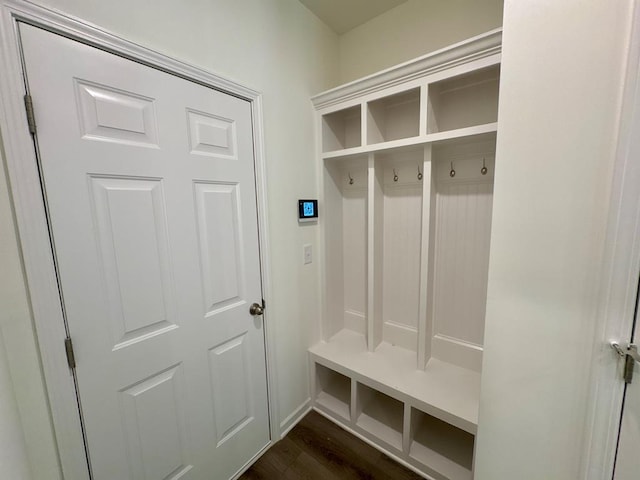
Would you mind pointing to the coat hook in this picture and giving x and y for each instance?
(350, 178)
(419, 173)
(483, 170)
(395, 175)
(452, 173)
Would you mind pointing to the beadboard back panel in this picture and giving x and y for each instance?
(463, 227)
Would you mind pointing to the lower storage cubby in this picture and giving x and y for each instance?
(442, 448)
(380, 415)
(395, 422)
(333, 391)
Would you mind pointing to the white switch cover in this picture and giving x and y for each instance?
(308, 257)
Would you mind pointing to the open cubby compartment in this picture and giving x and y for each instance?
(333, 392)
(342, 129)
(345, 229)
(380, 416)
(463, 101)
(399, 189)
(445, 450)
(462, 198)
(394, 117)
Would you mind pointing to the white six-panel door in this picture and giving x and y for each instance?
(150, 191)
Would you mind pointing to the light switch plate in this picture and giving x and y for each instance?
(308, 253)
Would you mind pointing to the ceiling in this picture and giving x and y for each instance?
(343, 15)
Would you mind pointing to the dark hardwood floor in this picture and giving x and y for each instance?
(317, 449)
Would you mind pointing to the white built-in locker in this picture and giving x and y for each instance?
(407, 162)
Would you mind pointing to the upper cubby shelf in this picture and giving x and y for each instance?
(458, 108)
(394, 117)
(432, 107)
(464, 101)
(342, 129)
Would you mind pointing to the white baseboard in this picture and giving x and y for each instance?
(293, 419)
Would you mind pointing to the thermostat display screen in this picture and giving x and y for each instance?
(307, 210)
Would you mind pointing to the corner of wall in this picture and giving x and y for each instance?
(412, 29)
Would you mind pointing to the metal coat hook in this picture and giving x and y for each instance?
(419, 173)
(452, 173)
(395, 175)
(483, 170)
(350, 178)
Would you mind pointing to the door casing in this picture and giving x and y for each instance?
(31, 219)
(614, 307)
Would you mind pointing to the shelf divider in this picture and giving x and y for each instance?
(424, 109)
(426, 258)
(375, 213)
(406, 429)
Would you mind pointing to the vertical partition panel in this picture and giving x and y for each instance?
(376, 245)
(427, 253)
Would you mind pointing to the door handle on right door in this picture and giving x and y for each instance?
(631, 350)
(630, 355)
(256, 309)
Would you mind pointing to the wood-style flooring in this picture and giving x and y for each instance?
(317, 449)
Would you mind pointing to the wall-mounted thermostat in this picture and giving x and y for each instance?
(307, 210)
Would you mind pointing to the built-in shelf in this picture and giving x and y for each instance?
(462, 134)
(342, 129)
(407, 158)
(451, 136)
(464, 100)
(441, 447)
(380, 415)
(443, 390)
(394, 117)
(333, 391)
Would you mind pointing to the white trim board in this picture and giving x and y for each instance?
(481, 46)
(29, 208)
(298, 414)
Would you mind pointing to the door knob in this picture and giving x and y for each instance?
(256, 309)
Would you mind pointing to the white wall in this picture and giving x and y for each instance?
(561, 82)
(277, 47)
(412, 29)
(20, 362)
(13, 455)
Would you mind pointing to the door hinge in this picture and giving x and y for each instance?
(31, 118)
(630, 355)
(71, 358)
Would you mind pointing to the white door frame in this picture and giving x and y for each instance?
(619, 276)
(30, 211)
